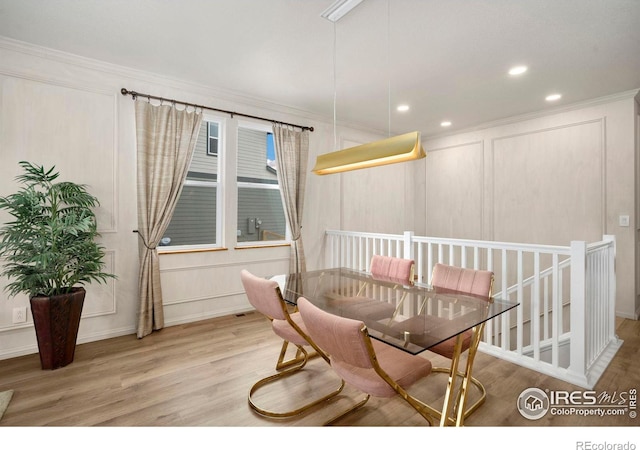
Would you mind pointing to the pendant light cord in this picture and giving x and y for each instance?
(335, 134)
(389, 62)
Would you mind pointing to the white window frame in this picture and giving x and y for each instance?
(246, 184)
(209, 152)
(218, 184)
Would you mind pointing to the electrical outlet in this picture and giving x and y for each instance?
(20, 314)
(623, 221)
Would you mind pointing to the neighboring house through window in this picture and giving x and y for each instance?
(260, 212)
(198, 218)
(213, 138)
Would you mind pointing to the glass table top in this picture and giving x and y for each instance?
(410, 317)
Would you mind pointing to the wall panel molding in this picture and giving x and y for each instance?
(103, 291)
(202, 298)
(223, 265)
(600, 122)
(449, 147)
(449, 191)
(210, 282)
(112, 223)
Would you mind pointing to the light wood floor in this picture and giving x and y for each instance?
(199, 374)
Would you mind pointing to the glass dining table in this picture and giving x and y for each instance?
(411, 317)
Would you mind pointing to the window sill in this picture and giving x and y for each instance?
(190, 250)
(254, 246)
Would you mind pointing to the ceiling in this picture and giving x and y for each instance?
(448, 59)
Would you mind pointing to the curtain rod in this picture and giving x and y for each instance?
(134, 94)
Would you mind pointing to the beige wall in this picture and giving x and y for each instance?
(637, 205)
(547, 180)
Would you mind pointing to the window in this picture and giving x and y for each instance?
(196, 220)
(213, 132)
(261, 215)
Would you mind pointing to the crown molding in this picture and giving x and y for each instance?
(625, 95)
(136, 75)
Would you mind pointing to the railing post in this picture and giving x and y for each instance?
(328, 249)
(408, 247)
(578, 308)
(611, 283)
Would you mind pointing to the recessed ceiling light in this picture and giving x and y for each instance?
(403, 108)
(553, 97)
(517, 70)
(446, 123)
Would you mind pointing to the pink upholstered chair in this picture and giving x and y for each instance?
(457, 279)
(451, 279)
(387, 268)
(265, 296)
(390, 268)
(395, 270)
(371, 366)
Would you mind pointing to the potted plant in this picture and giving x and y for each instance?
(49, 251)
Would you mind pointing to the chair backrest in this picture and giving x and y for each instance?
(341, 338)
(457, 279)
(264, 295)
(359, 360)
(397, 270)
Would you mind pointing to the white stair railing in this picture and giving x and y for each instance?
(564, 326)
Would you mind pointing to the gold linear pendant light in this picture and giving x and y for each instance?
(406, 147)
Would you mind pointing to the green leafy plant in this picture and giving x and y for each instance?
(49, 246)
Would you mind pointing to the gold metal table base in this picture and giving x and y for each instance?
(455, 399)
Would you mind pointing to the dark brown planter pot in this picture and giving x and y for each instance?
(56, 320)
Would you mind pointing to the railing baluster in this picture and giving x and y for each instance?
(556, 312)
(429, 262)
(535, 306)
(476, 258)
(419, 261)
(545, 308)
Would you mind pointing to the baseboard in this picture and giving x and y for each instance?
(634, 316)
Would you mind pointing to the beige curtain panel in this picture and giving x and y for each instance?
(292, 154)
(165, 138)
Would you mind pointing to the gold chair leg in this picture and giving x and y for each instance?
(290, 368)
(298, 359)
(481, 389)
(480, 401)
(429, 413)
(358, 405)
(451, 384)
(459, 406)
(462, 396)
